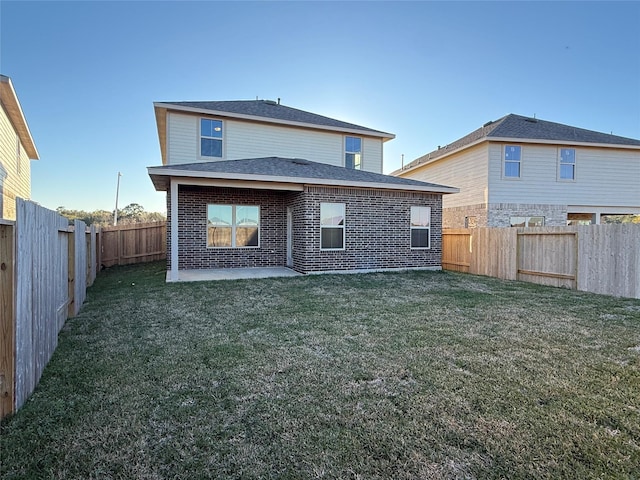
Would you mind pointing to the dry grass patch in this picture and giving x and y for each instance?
(412, 375)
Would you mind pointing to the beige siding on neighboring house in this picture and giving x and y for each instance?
(466, 170)
(15, 169)
(255, 140)
(604, 177)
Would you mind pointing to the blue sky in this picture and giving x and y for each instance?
(87, 74)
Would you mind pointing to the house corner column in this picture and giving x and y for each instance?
(173, 273)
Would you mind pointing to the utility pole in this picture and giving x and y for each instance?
(115, 213)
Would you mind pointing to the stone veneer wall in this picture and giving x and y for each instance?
(454, 217)
(500, 213)
(377, 232)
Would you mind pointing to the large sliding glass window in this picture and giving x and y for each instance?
(233, 226)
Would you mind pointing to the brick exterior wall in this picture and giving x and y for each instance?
(377, 233)
(377, 229)
(192, 224)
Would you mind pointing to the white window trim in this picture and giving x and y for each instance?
(233, 227)
(344, 156)
(560, 163)
(343, 226)
(200, 137)
(504, 162)
(412, 228)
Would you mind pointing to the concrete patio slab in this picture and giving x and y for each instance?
(233, 274)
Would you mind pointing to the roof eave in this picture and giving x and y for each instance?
(400, 171)
(181, 108)
(157, 172)
(562, 142)
(161, 123)
(16, 115)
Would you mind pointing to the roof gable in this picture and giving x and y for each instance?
(12, 106)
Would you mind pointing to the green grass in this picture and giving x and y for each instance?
(398, 375)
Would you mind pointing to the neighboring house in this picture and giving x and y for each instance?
(259, 184)
(520, 171)
(16, 148)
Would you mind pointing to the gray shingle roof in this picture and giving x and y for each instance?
(518, 127)
(289, 170)
(273, 110)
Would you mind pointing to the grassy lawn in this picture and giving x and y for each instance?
(410, 375)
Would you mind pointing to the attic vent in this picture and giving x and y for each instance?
(531, 120)
(299, 161)
(270, 102)
(488, 123)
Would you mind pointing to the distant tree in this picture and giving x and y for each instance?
(132, 213)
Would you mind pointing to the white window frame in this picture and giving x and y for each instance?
(201, 136)
(527, 220)
(344, 221)
(359, 152)
(561, 163)
(234, 225)
(504, 163)
(419, 227)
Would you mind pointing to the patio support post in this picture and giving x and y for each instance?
(173, 273)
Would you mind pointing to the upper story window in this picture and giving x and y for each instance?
(420, 227)
(353, 152)
(332, 226)
(210, 138)
(567, 168)
(512, 158)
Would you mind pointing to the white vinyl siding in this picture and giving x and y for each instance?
(182, 138)
(607, 177)
(15, 168)
(466, 170)
(372, 155)
(255, 140)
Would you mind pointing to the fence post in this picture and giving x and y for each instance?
(71, 259)
(7, 320)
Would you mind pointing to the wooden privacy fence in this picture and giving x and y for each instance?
(593, 258)
(45, 268)
(134, 243)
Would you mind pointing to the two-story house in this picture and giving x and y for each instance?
(521, 171)
(16, 149)
(260, 184)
